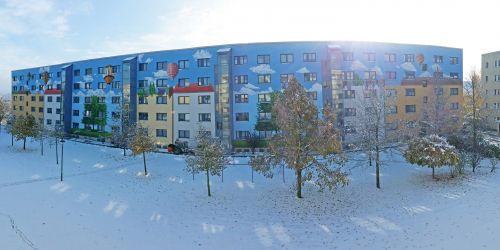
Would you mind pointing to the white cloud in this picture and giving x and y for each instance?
(262, 69)
(407, 66)
(199, 54)
(425, 74)
(303, 70)
(88, 78)
(316, 87)
(378, 70)
(248, 89)
(160, 74)
(357, 65)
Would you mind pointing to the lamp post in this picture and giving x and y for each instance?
(62, 157)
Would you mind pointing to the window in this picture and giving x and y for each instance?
(349, 94)
(424, 66)
(438, 91)
(58, 99)
(487, 65)
(369, 93)
(183, 117)
(143, 66)
(241, 79)
(204, 117)
(88, 85)
(76, 125)
(263, 59)
(161, 133)
(486, 78)
(33, 98)
(115, 115)
(203, 62)
(285, 78)
(115, 99)
(348, 75)
(76, 112)
(115, 68)
(183, 64)
(264, 98)
(242, 117)
(265, 78)
(161, 116)
(242, 134)
(425, 99)
(40, 110)
(454, 75)
(161, 83)
(184, 134)
(203, 81)
(313, 95)
(143, 83)
(370, 75)
(410, 92)
(76, 86)
(370, 57)
(33, 109)
(143, 116)
(240, 60)
(347, 56)
(390, 57)
(263, 116)
(161, 66)
(183, 82)
(454, 106)
(424, 83)
(453, 91)
(286, 58)
(204, 99)
(409, 57)
(100, 85)
(349, 112)
(390, 75)
(143, 100)
(241, 98)
(453, 60)
(309, 57)
(438, 59)
(183, 100)
(76, 72)
(161, 100)
(438, 75)
(58, 111)
(49, 122)
(101, 99)
(88, 71)
(100, 70)
(309, 77)
(410, 108)
(392, 109)
(87, 99)
(410, 75)
(33, 87)
(115, 85)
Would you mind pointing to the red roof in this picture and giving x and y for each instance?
(52, 92)
(193, 88)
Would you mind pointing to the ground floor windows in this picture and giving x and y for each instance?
(184, 134)
(161, 133)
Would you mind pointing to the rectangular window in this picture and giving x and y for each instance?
(184, 134)
(143, 116)
(410, 92)
(115, 115)
(240, 60)
(390, 75)
(204, 117)
(242, 134)
(241, 79)
(183, 100)
(309, 77)
(424, 83)
(143, 83)
(263, 59)
(348, 56)
(309, 57)
(392, 109)
(161, 100)
(348, 112)
(241, 98)
(40, 110)
(453, 75)
(203, 62)
(349, 94)
(101, 99)
(348, 75)
(286, 58)
(58, 99)
(143, 66)
(438, 75)
(424, 66)
(203, 81)
(49, 122)
(161, 133)
(313, 95)
(264, 98)
(369, 93)
(453, 91)
(438, 91)
(161, 83)
(410, 75)
(76, 86)
(438, 59)
(285, 78)
(100, 70)
(88, 85)
(115, 85)
(115, 99)
(75, 125)
(87, 99)
(183, 82)
(453, 60)
(76, 72)
(161, 116)
(204, 99)
(242, 117)
(370, 57)
(183, 117)
(143, 100)
(183, 64)
(88, 71)
(161, 66)
(264, 116)
(33, 109)
(115, 68)
(58, 111)
(100, 85)
(390, 57)
(370, 75)
(425, 99)
(409, 57)
(410, 108)
(33, 98)
(76, 112)
(265, 78)
(454, 106)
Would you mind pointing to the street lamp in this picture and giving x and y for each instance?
(62, 157)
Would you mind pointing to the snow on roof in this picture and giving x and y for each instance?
(223, 50)
(65, 66)
(334, 46)
(129, 58)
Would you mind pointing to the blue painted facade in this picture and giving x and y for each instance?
(314, 64)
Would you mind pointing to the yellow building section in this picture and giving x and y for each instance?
(426, 105)
(23, 104)
(154, 112)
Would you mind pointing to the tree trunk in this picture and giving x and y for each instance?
(208, 183)
(124, 149)
(252, 172)
(12, 139)
(370, 158)
(433, 173)
(377, 165)
(24, 144)
(299, 183)
(222, 174)
(283, 173)
(144, 159)
(41, 141)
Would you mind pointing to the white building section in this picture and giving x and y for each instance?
(52, 109)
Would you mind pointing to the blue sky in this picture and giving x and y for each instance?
(40, 32)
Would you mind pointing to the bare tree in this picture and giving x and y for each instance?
(24, 127)
(4, 110)
(121, 135)
(142, 143)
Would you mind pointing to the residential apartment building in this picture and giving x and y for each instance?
(490, 78)
(242, 76)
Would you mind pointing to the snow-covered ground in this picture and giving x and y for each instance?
(105, 203)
